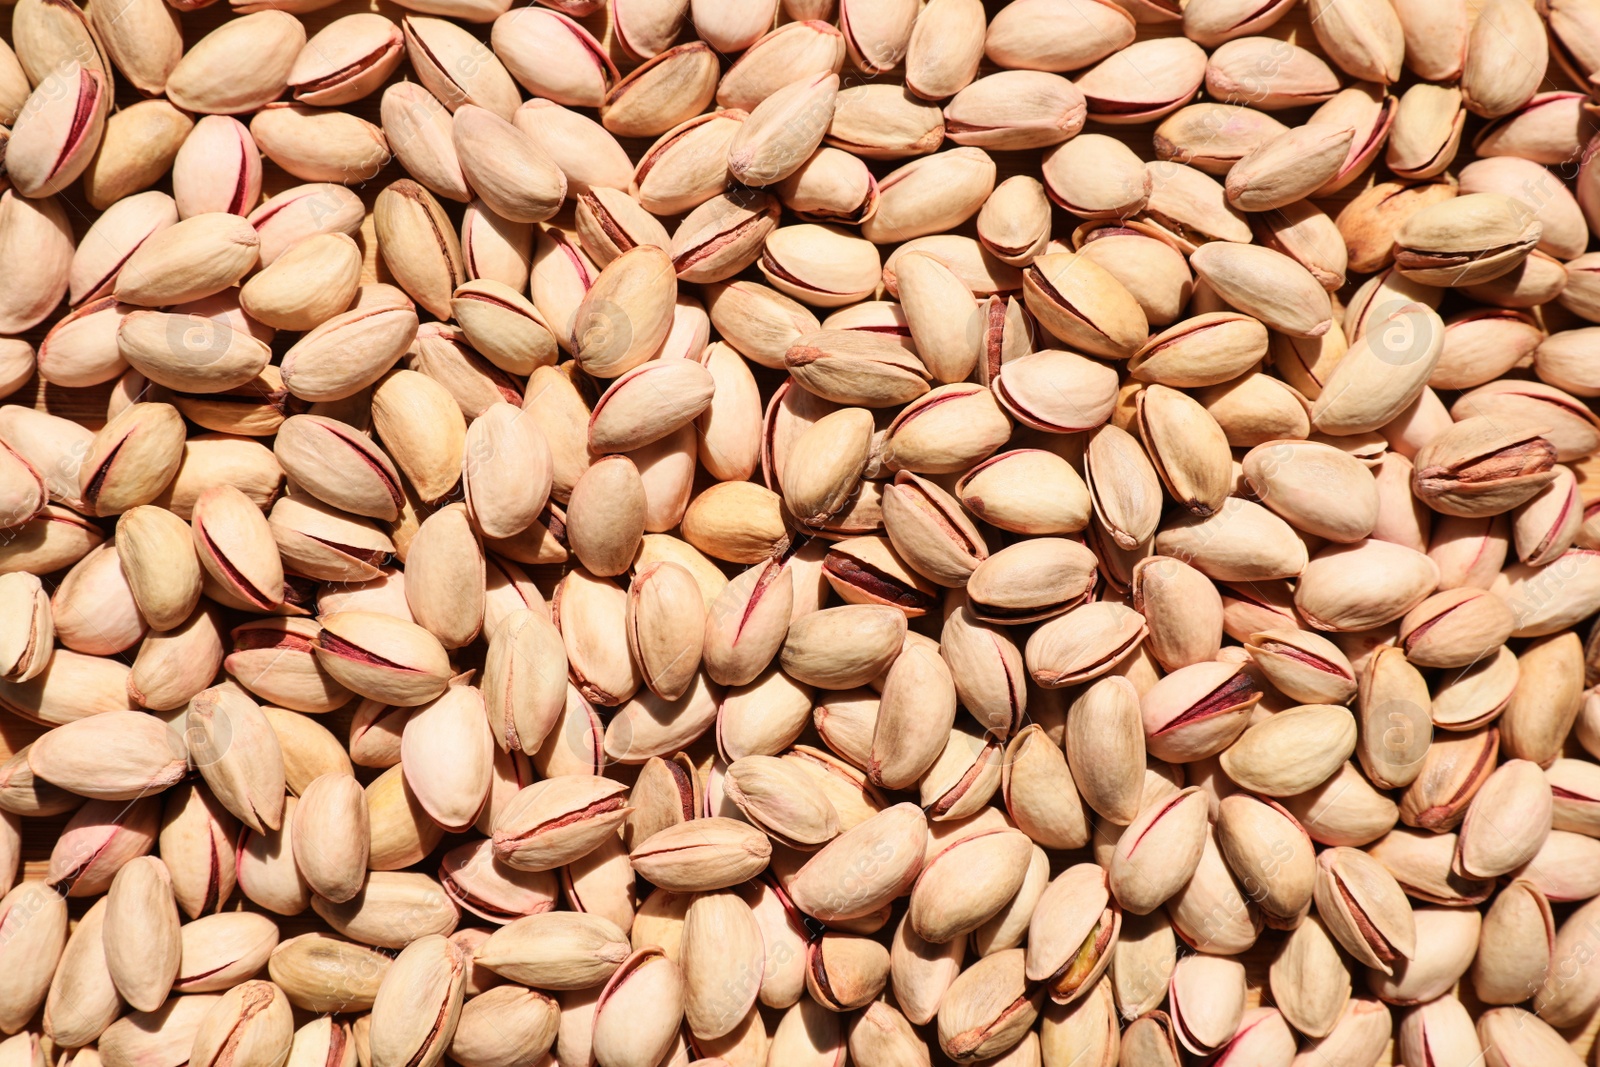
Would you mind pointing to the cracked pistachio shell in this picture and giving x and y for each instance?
(382, 657)
(99, 838)
(456, 67)
(1466, 240)
(1123, 485)
(702, 855)
(132, 458)
(1206, 998)
(1118, 94)
(346, 60)
(555, 821)
(747, 621)
(1426, 131)
(1303, 665)
(933, 298)
(418, 1004)
(964, 777)
(1207, 349)
(1084, 305)
(988, 1008)
(1159, 852)
(138, 146)
(419, 244)
(1447, 939)
(433, 461)
(1031, 580)
(668, 88)
(1188, 448)
(946, 430)
(740, 522)
(1189, 208)
(190, 353)
(988, 671)
(921, 972)
(27, 630)
(639, 1010)
(1071, 936)
(57, 131)
(1455, 628)
(822, 266)
(1197, 711)
(1085, 642)
(647, 403)
(781, 800)
(1365, 909)
(158, 559)
(119, 230)
(235, 546)
(1213, 137)
(856, 367)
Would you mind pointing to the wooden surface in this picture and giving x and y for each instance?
(88, 405)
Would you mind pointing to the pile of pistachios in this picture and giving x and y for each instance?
(756, 534)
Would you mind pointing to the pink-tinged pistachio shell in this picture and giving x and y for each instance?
(35, 259)
(56, 133)
(238, 67)
(346, 60)
(112, 756)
